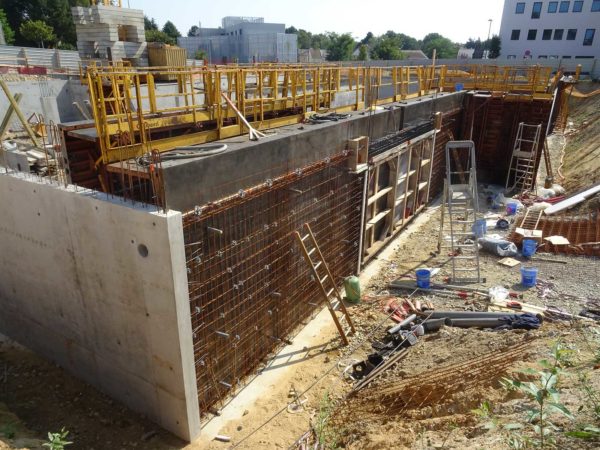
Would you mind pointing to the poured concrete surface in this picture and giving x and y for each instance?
(100, 287)
(248, 163)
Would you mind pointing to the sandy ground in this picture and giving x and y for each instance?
(39, 397)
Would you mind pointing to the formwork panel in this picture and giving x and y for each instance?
(249, 285)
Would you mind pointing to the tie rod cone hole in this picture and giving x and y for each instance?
(143, 250)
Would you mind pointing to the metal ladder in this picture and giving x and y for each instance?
(324, 278)
(460, 205)
(522, 162)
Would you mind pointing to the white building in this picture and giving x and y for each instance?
(550, 29)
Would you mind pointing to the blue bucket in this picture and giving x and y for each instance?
(528, 276)
(479, 228)
(423, 278)
(511, 209)
(459, 87)
(529, 247)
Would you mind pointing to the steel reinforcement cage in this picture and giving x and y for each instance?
(134, 113)
(249, 286)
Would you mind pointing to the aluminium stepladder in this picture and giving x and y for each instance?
(521, 170)
(459, 211)
(327, 286)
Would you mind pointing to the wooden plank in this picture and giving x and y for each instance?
(378, 217)
(378, 195)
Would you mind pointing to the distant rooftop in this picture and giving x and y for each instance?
(230, 21)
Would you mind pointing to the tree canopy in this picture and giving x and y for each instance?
(36, 31)
(170, 29)
(444, 47)
(495, 46)
(55, 14)
(340, 47)
(387, 47)
(150, 24)
(9, 34)
(159, 36)
(193, 31)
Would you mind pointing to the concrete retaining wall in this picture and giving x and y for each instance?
(52, 98)
(248, 163)
(100, 287)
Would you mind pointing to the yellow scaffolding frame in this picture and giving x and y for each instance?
(130, 105)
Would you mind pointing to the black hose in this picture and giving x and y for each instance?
(185, 152)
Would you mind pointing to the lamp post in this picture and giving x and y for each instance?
(487, 43)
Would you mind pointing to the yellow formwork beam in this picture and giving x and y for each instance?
(129, 104)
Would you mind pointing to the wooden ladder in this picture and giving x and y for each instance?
(323, 277)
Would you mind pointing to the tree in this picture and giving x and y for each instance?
(321, 40)
(150, 24)
(304, 39)
(194, 31)
(59, 17)
(54, 13)
(495, 46)
(408, 42)
(9, 34)
(367, 39)
(37, 32)
(444, 47)
(171, 30)
(387, 47)
(340, 47)
(159, 36)
(291, 30)
(200, 54)
(363, 52)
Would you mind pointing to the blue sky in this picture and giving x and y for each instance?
(456, 19)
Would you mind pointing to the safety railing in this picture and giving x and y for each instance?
(136, 111)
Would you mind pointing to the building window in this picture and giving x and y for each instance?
(596, 5)
(547, 35)
(531, 35)
(584, 57)
(589, 36)
(515, 35)
(578, 6)
(543, 57)
(571, 34)
(558, 34)
(564, 7)
(520, 8)
(511, 56)
(537, 10)
(566, 57)
(552, 7)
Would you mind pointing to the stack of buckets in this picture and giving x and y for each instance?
(529, 274)
(423, 278)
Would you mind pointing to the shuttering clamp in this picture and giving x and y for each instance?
(329, 291)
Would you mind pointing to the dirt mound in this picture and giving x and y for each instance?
(581, 162)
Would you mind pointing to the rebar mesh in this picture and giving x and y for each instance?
(249, 286)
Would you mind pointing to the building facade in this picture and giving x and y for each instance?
(550, 29)
(243, 40)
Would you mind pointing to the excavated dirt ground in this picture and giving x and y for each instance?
(37, 397)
